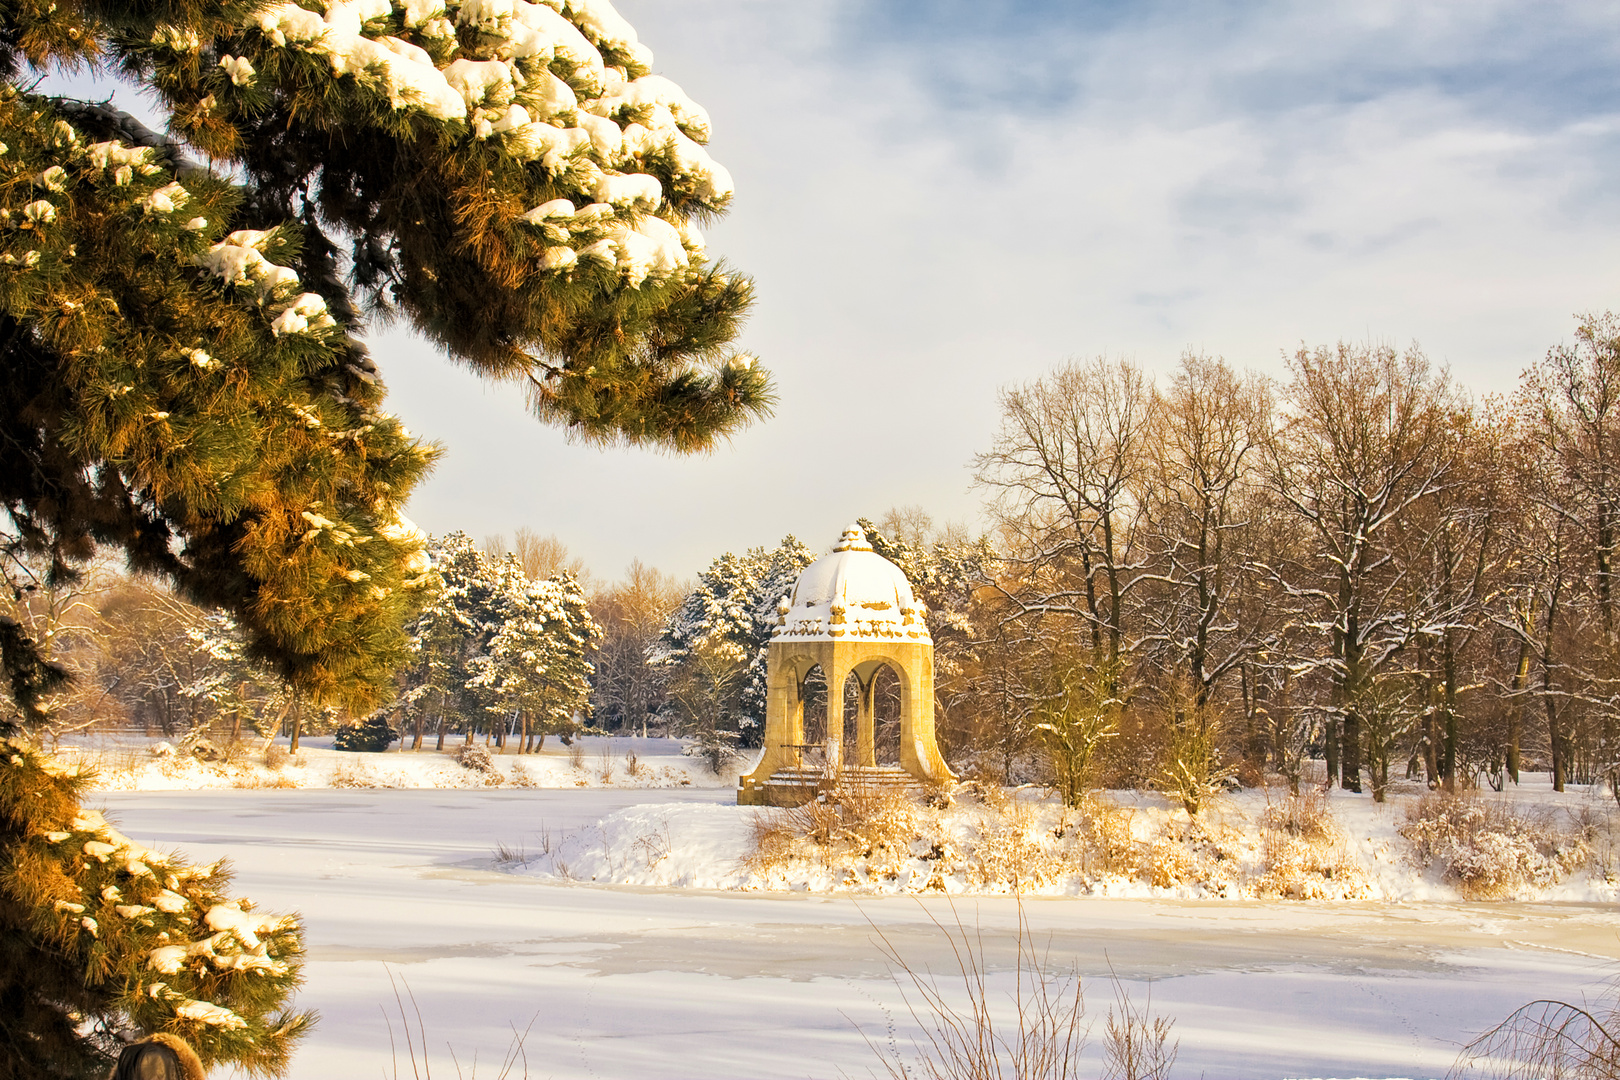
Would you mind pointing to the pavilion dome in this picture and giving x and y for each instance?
(853, 594)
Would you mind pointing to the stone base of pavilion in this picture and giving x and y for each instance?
(797, 786)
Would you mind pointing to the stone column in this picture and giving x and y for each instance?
(836, 670)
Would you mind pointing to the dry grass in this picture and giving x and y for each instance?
(967, 1034)
(989, 841)
(249, 779)
(1137, 1044)
(1546, 1040)
(418, 1064)
(1489, 850)
(359, 775)
(877, 828)
(1303, 853)
(1034, 1030)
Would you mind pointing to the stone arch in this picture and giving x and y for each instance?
(851, 715)
(888, 712)
(815, 705)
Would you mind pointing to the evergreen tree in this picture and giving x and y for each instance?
(182, 380)
(370, 736)
(183, 386)
(735, 604)
(102, 940)
(453, 629)
(537, 666)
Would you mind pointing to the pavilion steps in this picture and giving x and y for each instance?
(795, 786)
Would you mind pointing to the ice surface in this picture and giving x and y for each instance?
(632, 981)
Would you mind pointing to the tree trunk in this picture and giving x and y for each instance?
(523, 746)
(297, 724)
(1330, 749)
(1448, 713)
(421, 724)
(1350, 753)
(1516, 713)
(1555, 737)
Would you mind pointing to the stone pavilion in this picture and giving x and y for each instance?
(851, 613)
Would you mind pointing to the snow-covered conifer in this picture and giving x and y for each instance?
(102, 939)
(453, 628)
(537, 667)
(183, 381)
(735, 603)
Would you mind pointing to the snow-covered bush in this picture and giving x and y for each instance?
(359, 775)
(1489, 850)
(1304, 855)
(475, 757)
(987, 841)
(370, 736)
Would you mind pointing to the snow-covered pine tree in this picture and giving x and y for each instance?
(457, 620)
(538, 663)
(944, 575)
(102, 940)
(508, 176)
(181, 383)
(735, 603)
(232, 682)
(369, 736)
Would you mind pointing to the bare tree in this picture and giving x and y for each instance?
(1068, 469)
(1205, 495)
(627, 689)
(541, 557)
(1571, 402)
(1364, 436)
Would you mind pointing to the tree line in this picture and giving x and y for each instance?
(1215, 573)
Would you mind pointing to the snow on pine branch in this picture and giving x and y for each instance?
(564, 85)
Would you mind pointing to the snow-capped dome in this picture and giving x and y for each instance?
(854, 594)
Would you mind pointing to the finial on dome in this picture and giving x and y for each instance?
(854, 539)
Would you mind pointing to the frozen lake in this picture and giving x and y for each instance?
(627, 982)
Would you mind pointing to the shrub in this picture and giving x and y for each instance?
(1038, 1028)
(370, 736)
(1191, 769)
(1488, 850)
(1546, 1038)
(475, 757)
(1077, 715)
(357, 775)
(1303, 853)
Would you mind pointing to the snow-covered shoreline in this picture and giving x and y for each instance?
(1223, 857)
(139, 764)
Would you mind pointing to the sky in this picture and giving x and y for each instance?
(940, 199)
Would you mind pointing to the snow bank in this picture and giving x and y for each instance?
(1128, 845)
(153, 765)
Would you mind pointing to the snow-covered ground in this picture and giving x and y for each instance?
(630, 980)
(135, 763)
